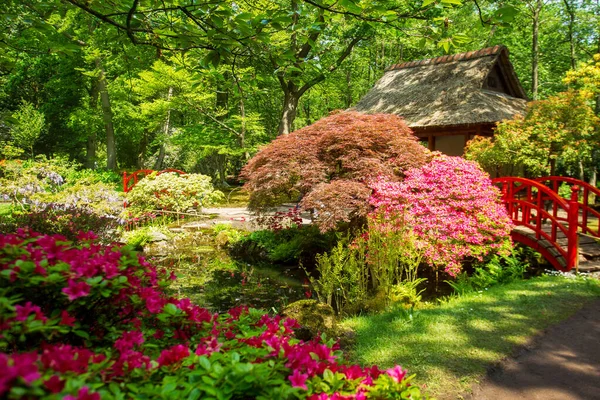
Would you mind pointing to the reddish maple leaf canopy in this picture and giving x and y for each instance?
(327, 165)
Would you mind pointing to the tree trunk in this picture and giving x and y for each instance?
(142, 147)
(92, 139)
(535, 51)
(107, 117)
(290, 109)
(571, 11)
(348, 87)
(222, 97)
(158, 165)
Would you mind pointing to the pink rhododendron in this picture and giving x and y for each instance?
(76, 290)
(173, 355)
(24, 311)
(66, 319)
(451, 206)
(54, 384)
(298, 380)
(84, 394)
(397, 373)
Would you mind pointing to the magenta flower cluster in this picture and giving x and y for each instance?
(452, 208)
(85, 321)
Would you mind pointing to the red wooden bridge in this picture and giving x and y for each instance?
(564, 231)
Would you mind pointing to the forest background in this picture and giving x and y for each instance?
(200, 86)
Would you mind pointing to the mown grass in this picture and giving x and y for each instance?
(234, 197)
(450, 346)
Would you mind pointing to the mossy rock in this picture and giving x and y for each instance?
(314, 318)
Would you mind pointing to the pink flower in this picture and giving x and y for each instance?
(66, 319)
(84, 394)
(24, 311)
(76, 289)
(54, 384)
(397, 373)
(173, 355)
(298, 379)
(25, 365)
(128, 340)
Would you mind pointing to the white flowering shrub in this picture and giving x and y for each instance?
(171, 192)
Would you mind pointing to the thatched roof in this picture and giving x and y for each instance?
(462, 89)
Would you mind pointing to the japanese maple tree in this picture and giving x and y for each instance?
(327, 165)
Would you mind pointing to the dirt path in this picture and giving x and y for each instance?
(564, 364)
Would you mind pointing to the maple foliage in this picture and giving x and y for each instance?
(327, 165)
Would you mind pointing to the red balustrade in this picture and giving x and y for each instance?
(526, 201)
(130, 180)
(586, 212)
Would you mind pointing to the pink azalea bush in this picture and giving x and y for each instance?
(452, 207)
(85, 321)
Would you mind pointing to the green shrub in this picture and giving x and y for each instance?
(285, 246)
(171, 192)
(378, 267)
(343, 281)
(497, 270)
(142, 236)
(226, 235)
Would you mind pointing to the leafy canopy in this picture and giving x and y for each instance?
(562, 129)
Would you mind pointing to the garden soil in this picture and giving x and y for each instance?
(562, 363)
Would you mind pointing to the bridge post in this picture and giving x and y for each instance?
(572, 237)
(125, 181)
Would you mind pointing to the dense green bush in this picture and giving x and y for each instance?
(88, 322)
(497, 270)
(285, 246)
(171, 192)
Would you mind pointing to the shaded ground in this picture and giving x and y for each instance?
(563, 363)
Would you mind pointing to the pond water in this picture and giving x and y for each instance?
(210, 278)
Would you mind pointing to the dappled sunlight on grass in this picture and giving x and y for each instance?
(450, 345)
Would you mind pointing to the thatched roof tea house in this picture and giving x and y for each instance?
(450, 99)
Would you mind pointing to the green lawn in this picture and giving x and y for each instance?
(451, 345)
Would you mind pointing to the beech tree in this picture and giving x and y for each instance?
(327, 166)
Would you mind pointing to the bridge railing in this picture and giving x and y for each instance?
(131, 179)
(586, 211)
(524, 200)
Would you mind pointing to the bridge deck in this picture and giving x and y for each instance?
(589, 247)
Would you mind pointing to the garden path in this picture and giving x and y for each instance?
(239, 217)
(563, 363)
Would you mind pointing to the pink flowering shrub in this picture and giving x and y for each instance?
(85, 321)
(452, 208)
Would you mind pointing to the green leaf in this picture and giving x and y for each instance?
(455, 2)
(427, 2)
(194, 394)
(171, 309)
(82, 334)
(351, 6)
(204, 363)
